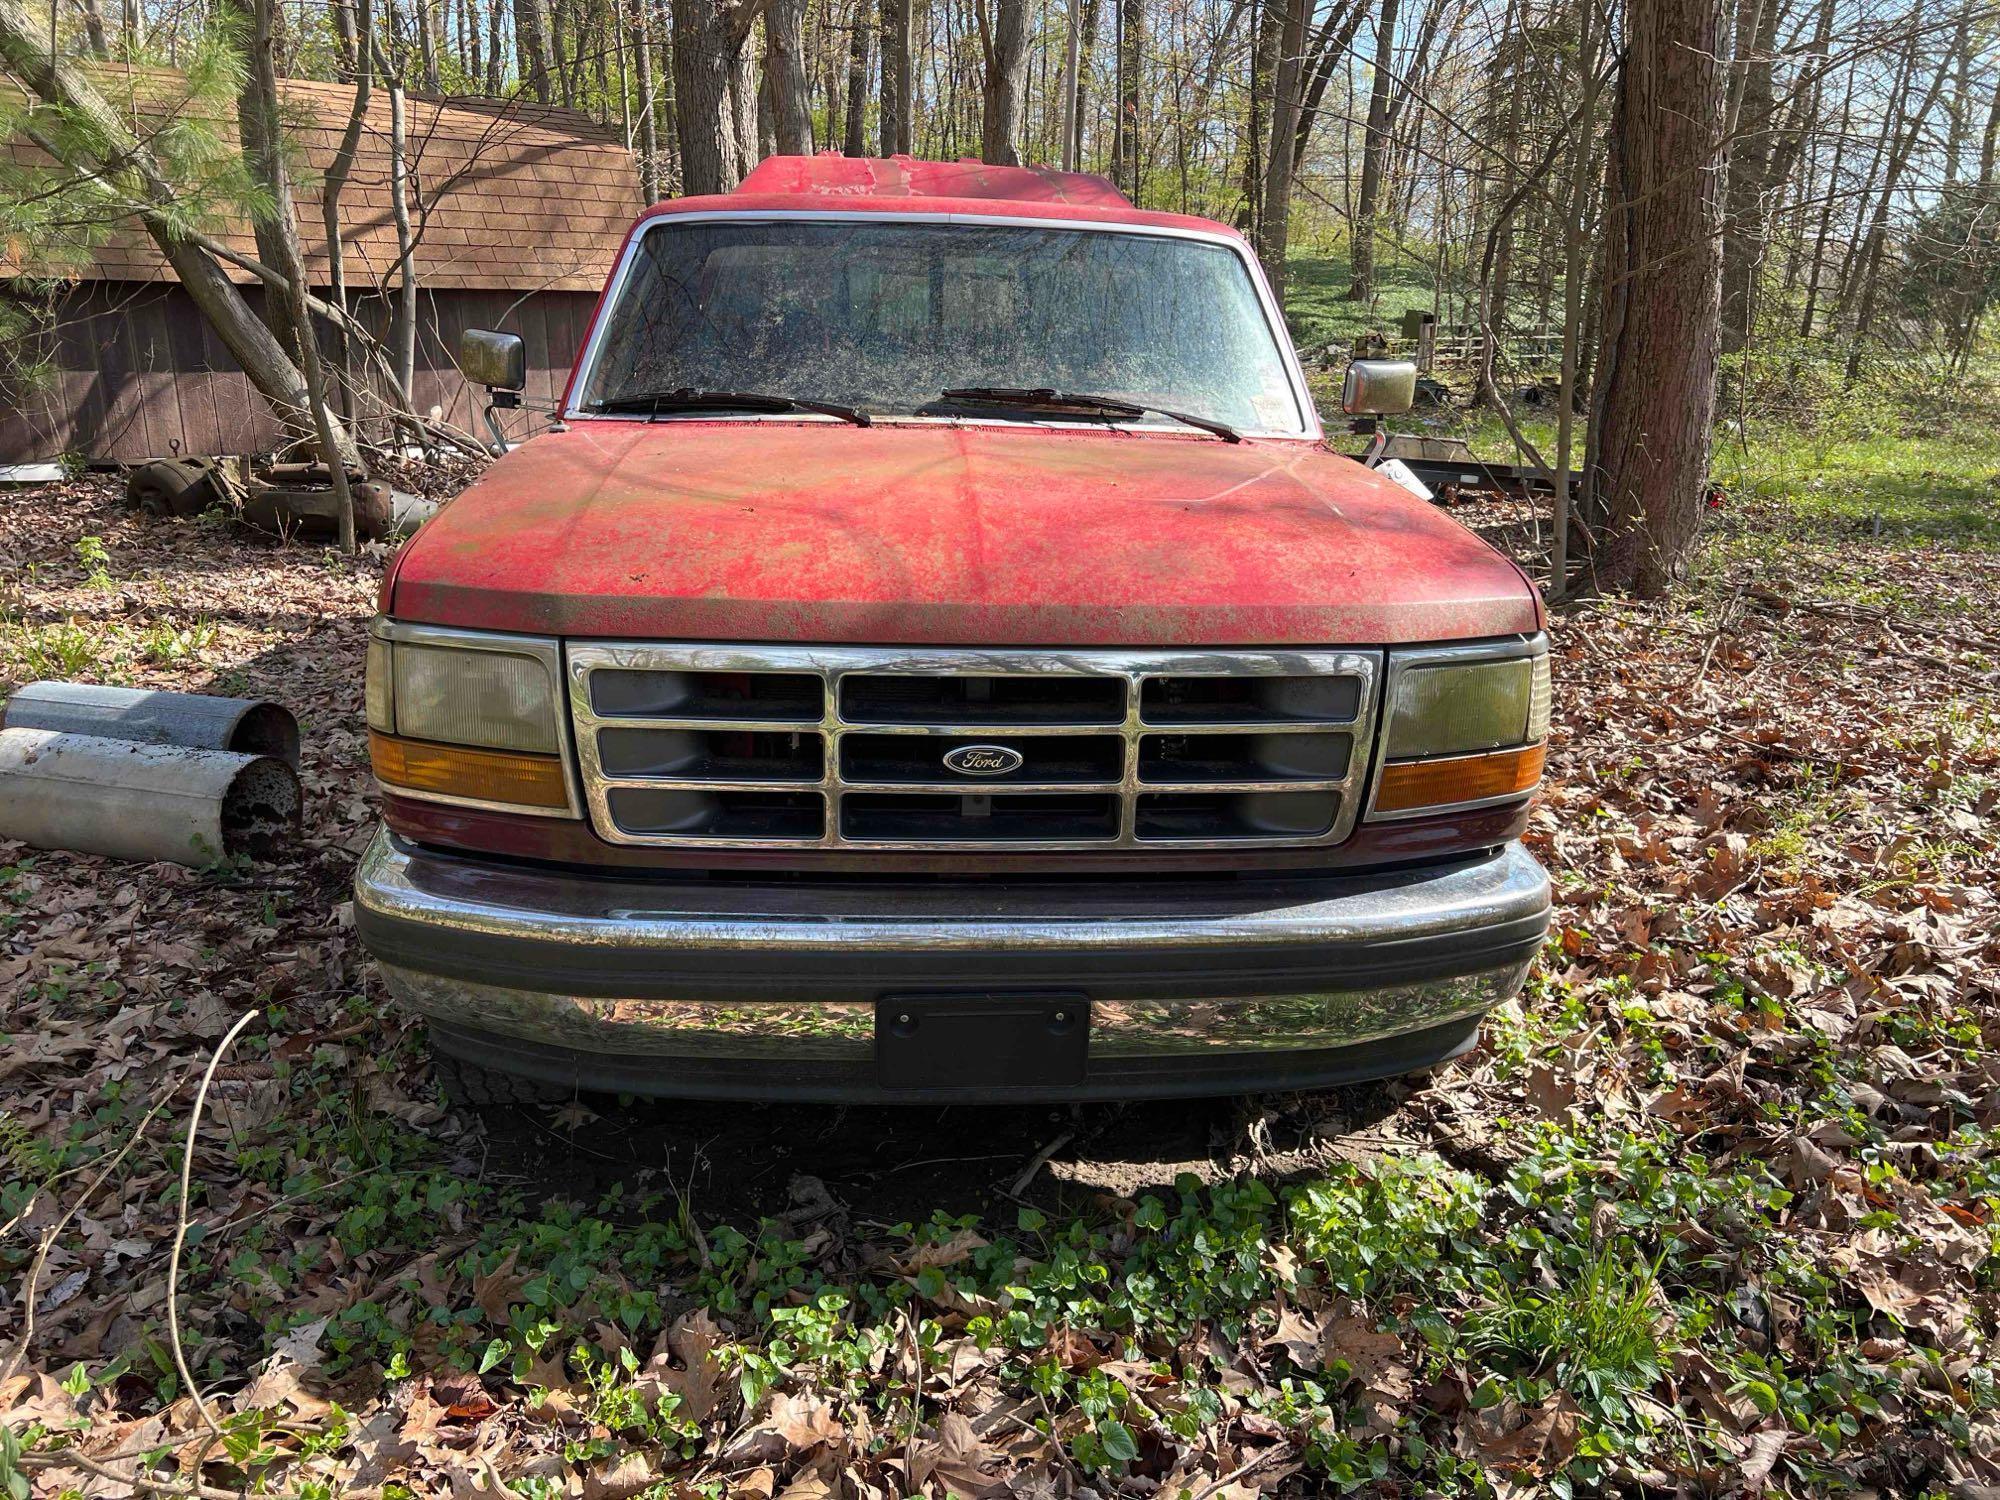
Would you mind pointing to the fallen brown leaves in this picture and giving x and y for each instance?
(1771, 825)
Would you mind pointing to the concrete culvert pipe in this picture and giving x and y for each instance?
(144, 802)
(198, 721)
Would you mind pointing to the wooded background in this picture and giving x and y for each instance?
(1648, 205)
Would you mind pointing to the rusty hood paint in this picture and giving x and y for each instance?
(949, 535)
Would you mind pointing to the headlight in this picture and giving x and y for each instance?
(464, 717)
(1462, 726)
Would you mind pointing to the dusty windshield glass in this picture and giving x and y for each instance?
(886, 317)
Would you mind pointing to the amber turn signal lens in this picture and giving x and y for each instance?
(459, 771)
(1411, 784)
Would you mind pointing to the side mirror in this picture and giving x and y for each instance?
(1379, 387)
(498, 361)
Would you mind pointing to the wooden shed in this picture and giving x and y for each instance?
(517, 209)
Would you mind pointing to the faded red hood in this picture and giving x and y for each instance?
(939, 535)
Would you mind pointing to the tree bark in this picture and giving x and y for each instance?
(129, 169)
(1749, 125)
(1003, 38)
(715, 98)
(1131, 73)
(649, 130)
(898, 109)
(93, 29)
(1373, 152)
(536, 46)
(335, 183)
(785, 65)
(270, 167)
(855, 137)
(1647, 463)
(1274, 223)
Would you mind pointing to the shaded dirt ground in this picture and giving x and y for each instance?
(1713, 1208)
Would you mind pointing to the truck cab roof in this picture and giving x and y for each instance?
(833, 184)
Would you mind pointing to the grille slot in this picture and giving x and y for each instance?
(847, 747)
(1295, 817)
(1199, 758)
(711, 754)
(708, 695)
(978, 699)
(693, 814)
(1250, 700)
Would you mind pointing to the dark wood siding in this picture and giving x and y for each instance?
(136, 370)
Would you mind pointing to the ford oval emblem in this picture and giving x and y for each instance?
(983, 760)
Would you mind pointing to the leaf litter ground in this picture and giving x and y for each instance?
(1711, 1211)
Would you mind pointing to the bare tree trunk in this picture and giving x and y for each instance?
(785, 65)
(1870, 277)
(1087, 50)
(250, 126)
(1329, 50)
(649, 130)
(855, 138)
(1576, 251)
(1748, 128)
(495, 67)
(93, 29)
(1274, 223)
(1131, 74)
(1373, 150)
(712, 105)
(270, 167)
(427, 46)
(403, 324)
(898, 110)
(536, 46)
(1649, 446)
(1825, 229)
(337, 172)
(1003, 38)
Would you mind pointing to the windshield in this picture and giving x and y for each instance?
(886, 317)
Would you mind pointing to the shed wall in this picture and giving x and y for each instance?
(137, 371)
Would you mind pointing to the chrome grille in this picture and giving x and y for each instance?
(844, 747)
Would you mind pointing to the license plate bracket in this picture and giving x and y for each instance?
(981, 1039)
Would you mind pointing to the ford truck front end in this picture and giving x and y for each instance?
(938, 658)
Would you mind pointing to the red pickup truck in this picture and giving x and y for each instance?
(936, 656)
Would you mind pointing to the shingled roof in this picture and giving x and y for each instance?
(519, 197)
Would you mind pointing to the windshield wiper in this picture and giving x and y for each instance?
(691, 398)
(1042, 398)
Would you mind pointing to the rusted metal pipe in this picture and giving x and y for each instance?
(143, 802)
(197, 721)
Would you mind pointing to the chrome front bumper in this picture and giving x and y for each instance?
(746, 989)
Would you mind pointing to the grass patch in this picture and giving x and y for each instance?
(1879, 485)
(1319, 312)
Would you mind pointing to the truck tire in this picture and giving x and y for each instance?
(468, 1086)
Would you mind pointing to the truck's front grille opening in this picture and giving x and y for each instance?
(1250, 700)
(979, 818)
(904, 699)
(707, 695)
(1292, 816)
(841, 747)
(711, 754)
(696, 814)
